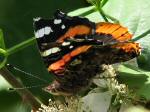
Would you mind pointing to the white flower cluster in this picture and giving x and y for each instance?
(54, 106)
(120, 90)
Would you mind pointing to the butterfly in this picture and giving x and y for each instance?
(74, 48)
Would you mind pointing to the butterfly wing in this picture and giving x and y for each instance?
(57, 50)
(117, 44)
(61, 27)
(52, 33)
(110, 32)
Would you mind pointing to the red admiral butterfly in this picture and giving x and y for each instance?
(74, 48)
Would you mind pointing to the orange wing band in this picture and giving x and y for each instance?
(128, 47)
(77, 30)
(118, 32)
(59, 65)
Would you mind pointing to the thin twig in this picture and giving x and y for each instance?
(21, 46)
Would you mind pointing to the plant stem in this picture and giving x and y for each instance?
(25, 94)
(4, 56)
(110, 17)
(2, 43)
(21, 46)
(142, 35)
(98, 5)
(103, 2)
(103, 15)
(87, 12)
(2, 51)
(2, 64)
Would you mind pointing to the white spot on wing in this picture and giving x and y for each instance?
(41, 32)
(57, 21)
(65, 43)
(63, 27)
(55, 49)
(48, 30)
(62, 13)
(50, 51)
(71, 46)
(37, 19)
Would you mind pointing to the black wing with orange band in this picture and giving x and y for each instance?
(122, 39)
(54, 35)
(51, 35)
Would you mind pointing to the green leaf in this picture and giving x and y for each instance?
(2, 44)
(130, 75)
(136, 79)
(144, 59)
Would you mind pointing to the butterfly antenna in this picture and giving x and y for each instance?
(26, 87)
(29, 74)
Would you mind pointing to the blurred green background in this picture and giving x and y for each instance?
(16, 17)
